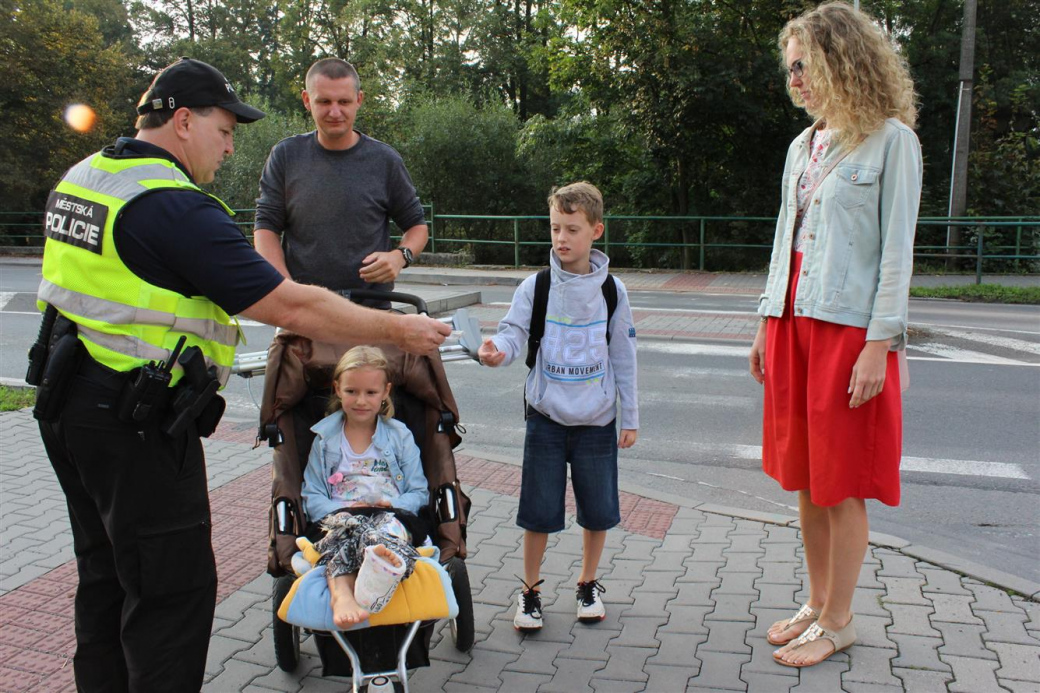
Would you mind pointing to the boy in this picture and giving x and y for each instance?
(583, 364)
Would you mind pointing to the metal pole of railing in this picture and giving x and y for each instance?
(516, 242)
(978, 257)
(433, 235)
(1018, 245)
(701, 265)
(606, 236)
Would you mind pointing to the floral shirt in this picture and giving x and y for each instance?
(809, 181)
(362, 478)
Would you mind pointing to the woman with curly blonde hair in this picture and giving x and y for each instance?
(834, 311)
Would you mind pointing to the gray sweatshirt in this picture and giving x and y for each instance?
(576, 379)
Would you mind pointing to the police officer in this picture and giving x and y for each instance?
(138, 259)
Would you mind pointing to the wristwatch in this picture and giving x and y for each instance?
(408, 257)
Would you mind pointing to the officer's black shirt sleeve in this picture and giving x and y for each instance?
(184, 241)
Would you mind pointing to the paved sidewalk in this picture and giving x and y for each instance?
(690, 594)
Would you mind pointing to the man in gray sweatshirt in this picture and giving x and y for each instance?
(327, 197)
(585, 363)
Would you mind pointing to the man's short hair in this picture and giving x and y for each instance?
(156, 119)
(333, 68)
(582, 196)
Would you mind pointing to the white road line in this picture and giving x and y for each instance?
(965, 356)
(6, 296)
(1000, 470)
(971, 328)
(749, 314)
(991, 340)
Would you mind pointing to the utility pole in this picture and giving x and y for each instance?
(959, 167)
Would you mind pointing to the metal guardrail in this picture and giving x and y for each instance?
(979, 252)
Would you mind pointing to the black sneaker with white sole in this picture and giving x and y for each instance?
(528, 608)
(590, 606)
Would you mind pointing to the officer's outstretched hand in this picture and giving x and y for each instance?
(420, 334)
(489, 354)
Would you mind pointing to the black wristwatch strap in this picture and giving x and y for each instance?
(408, 257)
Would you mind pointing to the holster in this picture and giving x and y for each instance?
(64, 357)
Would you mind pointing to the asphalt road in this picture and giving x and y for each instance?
(971, 480)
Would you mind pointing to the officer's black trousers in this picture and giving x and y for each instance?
(141, 528)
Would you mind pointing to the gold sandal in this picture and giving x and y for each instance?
(841, 640)
(806, 613)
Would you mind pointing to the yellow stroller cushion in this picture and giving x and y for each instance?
(424, 596)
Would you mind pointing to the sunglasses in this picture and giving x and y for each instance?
(797, 69)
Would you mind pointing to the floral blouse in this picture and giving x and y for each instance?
(808, 182)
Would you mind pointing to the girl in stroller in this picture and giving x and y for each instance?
(362, 466)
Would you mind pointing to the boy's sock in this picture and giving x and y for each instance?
(377, 581)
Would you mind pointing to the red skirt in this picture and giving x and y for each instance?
(811, 439)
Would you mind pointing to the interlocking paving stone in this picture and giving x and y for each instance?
(727, 636)
(695, 593)
(707, 553)
(771, 682)
(912, 620)
(774, 596)
(1007, 627)
(608, 686)
(780, 553)
(1018, 662)
(719, 671)
(668, 562)
(592, 644)
(455, 687)
(677, 650)
(864, 601)
(498, 592)
(861, 687)
(572, 675)
(433, 677)
(894, 564)
(871, 631)
(659, 582)
(649, 604)
(762, 661)
(1020, 686)
(686, 619)
(249, 628)
(963, 640)
(923, 680)
(536, 657)
(868, 577)
(731, 607)
(740, 563)
(745, 543)
(670, 678)
(640, 631)
(701, 572)
(940, 580)
(234, 676)
(487, 672)
(626, 663)
(516, 681)
(870, 665)
(989, 598)
(902, 590)
(503, 638)
(713, 535)
(952, 608)
(627, 570)
(823, 677)
(675, 543)
(737, 583)
(916, 652)
(779, 574)
(972, 675)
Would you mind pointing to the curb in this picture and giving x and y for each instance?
(1021, 586)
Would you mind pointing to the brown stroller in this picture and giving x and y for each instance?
(296, 389)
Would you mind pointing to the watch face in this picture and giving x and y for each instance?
(408, 257)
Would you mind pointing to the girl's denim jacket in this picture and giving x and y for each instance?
(394, 444)
(859, 240)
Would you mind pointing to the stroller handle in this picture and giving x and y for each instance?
(377, 295)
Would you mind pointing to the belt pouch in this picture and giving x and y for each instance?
(63, 361)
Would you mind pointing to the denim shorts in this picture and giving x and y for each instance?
(592, 453)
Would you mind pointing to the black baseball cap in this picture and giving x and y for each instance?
(190, 83)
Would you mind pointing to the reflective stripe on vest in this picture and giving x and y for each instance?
(123, 320)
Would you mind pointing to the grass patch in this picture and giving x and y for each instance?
(981, 293)
(12, 398)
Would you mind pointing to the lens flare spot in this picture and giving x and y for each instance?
(80, 117)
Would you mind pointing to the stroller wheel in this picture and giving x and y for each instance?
(462, 628)
(286, 636)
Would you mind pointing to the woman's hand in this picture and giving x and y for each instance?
(757, 357)
(868, 375)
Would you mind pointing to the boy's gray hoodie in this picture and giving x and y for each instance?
(576, 381)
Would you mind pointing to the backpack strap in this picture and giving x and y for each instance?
(538, 308)
(540, 304)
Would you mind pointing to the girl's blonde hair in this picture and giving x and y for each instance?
(856, 76)
(355, 359)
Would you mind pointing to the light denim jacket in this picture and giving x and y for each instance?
(859, 241)
(394, 444)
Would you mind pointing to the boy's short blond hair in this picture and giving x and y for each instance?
(582, 196)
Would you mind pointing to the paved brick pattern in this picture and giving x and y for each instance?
(690, 595)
